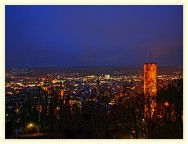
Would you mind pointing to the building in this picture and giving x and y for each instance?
(150, 79)
(107, 77)
(150, 88)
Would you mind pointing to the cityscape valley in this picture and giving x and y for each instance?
(94, 102)
(93, 71)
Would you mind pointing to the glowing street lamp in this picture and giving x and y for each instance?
(166, 104)
(30, 125)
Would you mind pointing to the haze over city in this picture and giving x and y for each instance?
(63, 36)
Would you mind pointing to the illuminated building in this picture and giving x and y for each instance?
(150, 79)
(150, 88)
(107, 77)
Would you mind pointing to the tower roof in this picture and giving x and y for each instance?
(150, 63)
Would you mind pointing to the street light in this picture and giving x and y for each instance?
(166, 104)
(30, 125)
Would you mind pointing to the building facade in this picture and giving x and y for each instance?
(150, 79)
(150, 88)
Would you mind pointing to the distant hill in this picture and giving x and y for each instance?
(169, 69)
(112, 70)
(123, 70)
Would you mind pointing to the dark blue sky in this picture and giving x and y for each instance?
(42, 36)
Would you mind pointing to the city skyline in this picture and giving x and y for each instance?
(62, 36)
(94, 72)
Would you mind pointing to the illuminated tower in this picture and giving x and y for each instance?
(150, 88)
(150, 80)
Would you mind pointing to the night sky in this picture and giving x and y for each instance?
(63, 36)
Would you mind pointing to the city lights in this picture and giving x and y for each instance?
(94, 72)
(79, 98)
